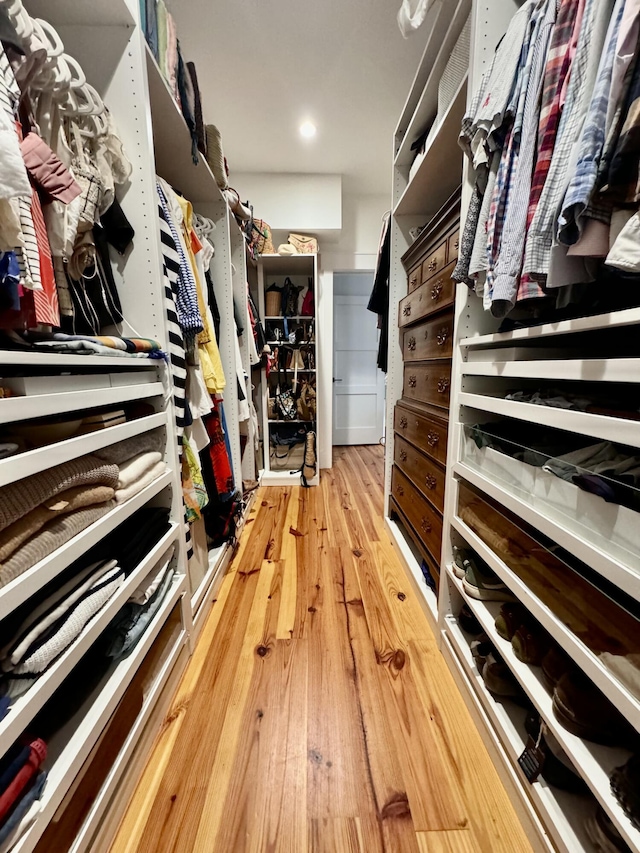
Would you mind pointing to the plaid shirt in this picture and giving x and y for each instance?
(597, 15)
(592, 141)
(623, 184)
(559, 61)
(509, 261)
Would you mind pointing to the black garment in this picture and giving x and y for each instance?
(197, 109)
(261, 338)
(379, 300)
(213, 304)
(8, 33)
(187, 104)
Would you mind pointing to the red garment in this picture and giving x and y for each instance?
(23, 777)
(220, 463)
(45, 300)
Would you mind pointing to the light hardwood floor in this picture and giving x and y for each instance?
(317, 714)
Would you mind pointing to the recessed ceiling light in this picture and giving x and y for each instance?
(308, 130)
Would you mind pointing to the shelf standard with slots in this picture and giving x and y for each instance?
(623, 576)
(625, 702)
(594, 762)
(25, 585)
(612, 320)
(564, 813)
(435, 162)
(603, 427)
(24, 709)
(43, 405)
(85, 734)
(33, 461)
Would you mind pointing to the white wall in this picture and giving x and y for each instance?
(307, 203)
(357, 247)
(353, 283)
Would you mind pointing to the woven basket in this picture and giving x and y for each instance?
(455, 70)
(273, 301)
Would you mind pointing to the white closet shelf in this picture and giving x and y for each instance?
(613, 320)
(285, 477)
(21, 588)
(443, 38)
(119, 768)
(43, 405)
(61, 359)
(172, 143)
(624, 701)
(84, 734)
(563, 813)
(412, 566)
(33, 461)
(25, 708)
(299, 317)
(116, 13)
(594, 762)
(618, 430)
(623, 576)
(289, 264)
(581, 370)
(435, 180)
(218, 560)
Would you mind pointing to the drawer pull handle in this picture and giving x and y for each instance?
(399, 490)
(411, 344)
(430, 482)
(443, 386)
(456, 244)
(442, 336)
(406, 310)
(433, 265)
(403, 455)
(433, 439)
(413, 381)
(436, 290)
(426, 527)
(404, 423)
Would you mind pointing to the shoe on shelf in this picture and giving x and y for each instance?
(460, 556)
(557, 770)
(585, 711)
(481, 583)
(530, 644)
(625, 786)
(512, 615)
(501, 682)
(468, 622)
(480, 651)
(603, 834)
(555, 664)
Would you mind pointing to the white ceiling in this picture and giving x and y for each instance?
(264, 66)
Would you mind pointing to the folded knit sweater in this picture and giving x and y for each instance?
(145, 479)
(12, 537)
(134, 446)
(136, 467)
(49, 539)
(17, 499)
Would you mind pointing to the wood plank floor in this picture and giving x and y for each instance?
(317, 714)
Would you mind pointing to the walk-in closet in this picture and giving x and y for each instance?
(236, 242)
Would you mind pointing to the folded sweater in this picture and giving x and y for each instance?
(137, 485)
(73, 499)
(136, 467)
(49, 539)
(130, 447)
(20, 781)
(17, 499)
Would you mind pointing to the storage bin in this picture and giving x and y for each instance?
(273, 300)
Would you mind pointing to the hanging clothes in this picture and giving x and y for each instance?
(379, 299)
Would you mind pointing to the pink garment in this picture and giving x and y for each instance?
(172, 56)
(47, 170)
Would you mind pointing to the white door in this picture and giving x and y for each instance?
(358, 385)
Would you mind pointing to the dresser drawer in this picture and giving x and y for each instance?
(415, 278)
(433, 339)
(454, 246)
(428, 383)
(424, 519)
(396, 513)
(430, 297)
(427, 434)
(434, 262)
(423, 472)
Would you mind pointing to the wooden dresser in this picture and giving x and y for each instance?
(425, 321)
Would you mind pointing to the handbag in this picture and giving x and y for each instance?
(306, 402)
(304, 244)
(290, 298)
(273, 301)
(284, 400)
(308, 303)
(261, 238)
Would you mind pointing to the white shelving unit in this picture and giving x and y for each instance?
(488, 364)
(274, 269)
(107, 40)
